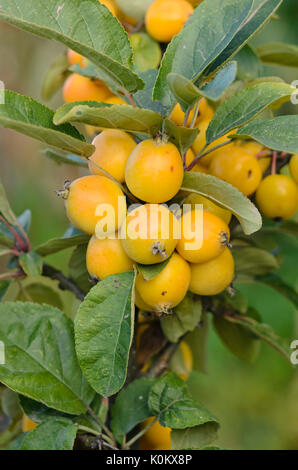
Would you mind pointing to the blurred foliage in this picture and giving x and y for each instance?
(256, 404)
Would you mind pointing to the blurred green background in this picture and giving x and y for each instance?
(257, 404)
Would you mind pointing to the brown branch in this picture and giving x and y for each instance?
(64, 282)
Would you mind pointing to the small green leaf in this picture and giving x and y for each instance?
(37, 411)
(135, 8)
(214, 89)
(150, 271)
(254, 261)
(237, 339)
(170, 400)
(104, 330)
(52, 434)
(199, 43)
(124, 117)
(131, 407)
(185, 317)
(226, 196)
(77, 268)
(31, 263)
(40, 357)
(182, 137)
(279, 133)
(198, 342)
(55, 77)
(263, 332)
(59, 244)
(35, 120)
(278, 53)
(249, 65)
(62, 159)
(76, 24)
(274, 281)
(244, 106)
(5, 208)
(194, 438)
(143, 98)
(146, 51)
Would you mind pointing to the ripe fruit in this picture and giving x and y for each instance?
(105, 257)
(209, 206)
(165, 18)
(150, 234)
(140, 303)
(239, 168)
(178, 115)
(115, 100)
(156, 437)
(200, 143)
(294, 167)
(214, 276)
(277, 197)
(113, 148)
(28, 424)
(154, 171)
(79, 88)
(86, 205)
(255, 148)
(168, 288)
(205, 112)
(203, 237)
(76, 58)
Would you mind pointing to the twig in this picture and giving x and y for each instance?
(15, 234)
(203, 154)
(64, 282)
(140, 434)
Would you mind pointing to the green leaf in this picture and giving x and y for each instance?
(150, 271)
(35, 120)
(5, 208)
(77, 268)
(124, 117)
(170, 400)
(185, 317)
(31, 263)
(187, 93)
(249, 65)
(279, 133)
(182, 137)
(52, 434)
(55, 77)
(194, 438)
(131, 407)
(198, 343)
(278, 53)
(254, 261)
(59, 244)
(202, 39)
(146, 51)
(276, 283)
(260, 14)
(226, 196)
(10, 405)
(263, 332)
(104, 330)
(62, 159)
(135, 8)
(76, 24)
(37, 411)
(40, 357)
(143, 98)
(3, 288)
(16, 443)
(244, 106)
(237, 339)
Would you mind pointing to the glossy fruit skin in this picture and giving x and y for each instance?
(294, 167)
(165, 18)
(76, 58)
(154, 171)
(141, 304)
(200, 143)
(115, 100)
(79, 88)
(28, 424)
(161, 229)
(206, 113)
(168, 288)
(214, 276)
(215, 235)
(209, 206)
(239, 168)
(178, 115)
(86, 194)
(113, 148)
(277, 197)
(255, 148)
(106, 257)
(198, 168)
(157, 437)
